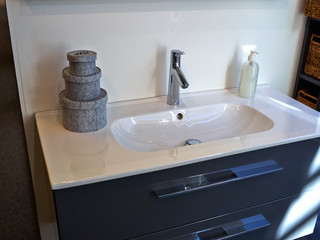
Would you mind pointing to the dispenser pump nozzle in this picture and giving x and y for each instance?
(252, 54)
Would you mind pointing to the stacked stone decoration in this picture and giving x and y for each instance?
(83, 102)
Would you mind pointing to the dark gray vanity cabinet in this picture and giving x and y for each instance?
(243, 196)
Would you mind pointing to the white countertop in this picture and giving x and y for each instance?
(75, 159)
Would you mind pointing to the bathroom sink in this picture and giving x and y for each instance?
(170, 129)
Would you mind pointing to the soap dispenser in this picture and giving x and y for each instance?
(249, 77)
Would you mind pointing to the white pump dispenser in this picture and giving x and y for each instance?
(249, 77)
(252, 55)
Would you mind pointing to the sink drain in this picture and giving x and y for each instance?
(192, 142)
(179, 116)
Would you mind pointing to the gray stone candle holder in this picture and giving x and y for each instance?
(82, 62)
(82, 88)
(84, 116)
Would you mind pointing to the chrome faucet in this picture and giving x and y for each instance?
(176, 78)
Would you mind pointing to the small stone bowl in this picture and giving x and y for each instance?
(82, 62)
(82, 88)
(86, 116)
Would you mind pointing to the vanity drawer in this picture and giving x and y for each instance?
(130, 207)
(264, 222)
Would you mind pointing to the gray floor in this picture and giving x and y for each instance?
(18, 219)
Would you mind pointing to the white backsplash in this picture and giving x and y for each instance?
(133, 40)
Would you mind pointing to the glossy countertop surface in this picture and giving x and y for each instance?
(75, 159)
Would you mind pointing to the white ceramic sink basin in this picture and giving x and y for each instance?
(135, 142)
(169, 129)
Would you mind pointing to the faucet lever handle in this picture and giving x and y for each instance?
(175, 57)
(180, 53)
(177, 53)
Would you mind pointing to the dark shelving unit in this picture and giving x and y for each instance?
(310, 79)
(304, 81)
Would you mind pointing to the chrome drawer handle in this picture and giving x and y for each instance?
(197, 182)
(228, 230)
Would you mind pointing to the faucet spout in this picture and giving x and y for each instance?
(176, 78)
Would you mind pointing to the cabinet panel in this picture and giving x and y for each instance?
(128, 207)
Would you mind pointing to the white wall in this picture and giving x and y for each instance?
(133, 39)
